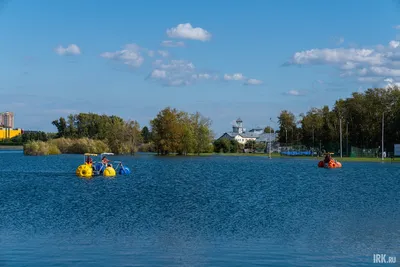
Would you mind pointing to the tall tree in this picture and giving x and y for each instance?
(145, 134)
(287, 127)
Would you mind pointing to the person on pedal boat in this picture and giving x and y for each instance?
(89, 160)
(104, 160)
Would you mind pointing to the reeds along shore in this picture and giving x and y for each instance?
(65, 146)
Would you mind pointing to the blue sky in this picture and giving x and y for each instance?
(231, 59)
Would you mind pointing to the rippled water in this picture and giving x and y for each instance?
(197, 211)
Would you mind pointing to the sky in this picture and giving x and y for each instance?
(224, 59)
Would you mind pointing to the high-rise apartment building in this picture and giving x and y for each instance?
(7, 120)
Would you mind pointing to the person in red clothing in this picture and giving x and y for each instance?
(327, 158)
(89, 160)
(104, 160)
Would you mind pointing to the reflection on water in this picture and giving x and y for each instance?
(197, 211)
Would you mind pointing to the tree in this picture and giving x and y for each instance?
(287, 123)
(223, 145)
(203, 134)
(176, 131)
(361, 114)
(121, 136)
(61, 126)
(268, 129)
(145, 134)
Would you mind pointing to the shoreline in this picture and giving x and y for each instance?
(344, 159)
(11, 147)
(273, 155)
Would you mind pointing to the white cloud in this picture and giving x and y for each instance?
(388, 80)
(366, 65)
(163, 53)
(241, 77)
(186, 31)
(337, 56)
(170, 43)
(394, 44)
(391, 83)
(294, 92)
(178, 73)
(397, 27)
(234, 77)
(253, 82)
(159, 74)
(130, 55)
(204, 76)
(71, 49)
(384, 71)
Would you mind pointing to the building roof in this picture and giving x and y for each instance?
(256, 129)
(244, 135)
(266, 137)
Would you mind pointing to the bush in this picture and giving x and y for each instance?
(65, 146)
(149, 147)
(40, 148)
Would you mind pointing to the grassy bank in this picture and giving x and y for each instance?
(277, 155)
(65, 146)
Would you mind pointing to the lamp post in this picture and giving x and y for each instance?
(347, 139)
(313, 137)
(383, 132)
(270, 139)
(291, 128)
(341, 141)
(286, 135)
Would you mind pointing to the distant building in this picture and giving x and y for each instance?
(7, 130)
(257, 134)
(8, 133)
(7, 120)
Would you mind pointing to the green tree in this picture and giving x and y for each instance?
(176, 131)
(61, 126)
(145, 135)
(268, 129)
(288, 125)
(222, 145)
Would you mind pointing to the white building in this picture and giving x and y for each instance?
(241, 136)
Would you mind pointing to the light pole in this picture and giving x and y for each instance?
(313, 137)
(347, 139)
(341, 143)
(383, 132)
(286, 135)
(292, 135)
(270, 139)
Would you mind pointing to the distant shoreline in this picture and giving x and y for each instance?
(276, 155)
(11, 147)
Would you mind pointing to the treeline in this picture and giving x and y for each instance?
(26, 137)
(121, 137)
(361, 116)
(172, 131)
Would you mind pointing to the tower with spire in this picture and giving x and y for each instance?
(238, 128)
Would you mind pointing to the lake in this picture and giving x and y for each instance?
(197, 211)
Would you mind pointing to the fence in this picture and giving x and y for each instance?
(364, 152)
(295, 150)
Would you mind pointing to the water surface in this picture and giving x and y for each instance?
(197, 211)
